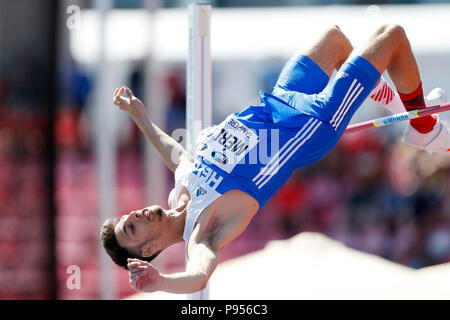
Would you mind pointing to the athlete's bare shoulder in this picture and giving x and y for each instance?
(224, 220)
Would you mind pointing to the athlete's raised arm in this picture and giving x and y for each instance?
(203, 261)
(169, 149)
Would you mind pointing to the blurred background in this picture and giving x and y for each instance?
(67, 155)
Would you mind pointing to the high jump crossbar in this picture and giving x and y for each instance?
(398, 117)
(198, 86)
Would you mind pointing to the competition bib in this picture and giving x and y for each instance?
(228, 144)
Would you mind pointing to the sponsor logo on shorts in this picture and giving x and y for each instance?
(341, 74)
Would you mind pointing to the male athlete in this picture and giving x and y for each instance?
(218, 193)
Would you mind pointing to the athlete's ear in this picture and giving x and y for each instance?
(146, 250)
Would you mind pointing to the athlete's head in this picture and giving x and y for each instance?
(140, 234)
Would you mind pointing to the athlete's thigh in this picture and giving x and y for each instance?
(331, 111)
(300, 74)
(345, 93)
(317, 140)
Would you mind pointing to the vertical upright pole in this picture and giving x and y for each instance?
(199, 87)
(155, 100)
(198, 72)
(105, 150)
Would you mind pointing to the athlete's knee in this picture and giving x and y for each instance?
(394, 32)
(335, 34)
(334, 29)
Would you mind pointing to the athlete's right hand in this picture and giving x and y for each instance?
(129, 103)
(143, 276)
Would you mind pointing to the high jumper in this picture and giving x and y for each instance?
(218, 192)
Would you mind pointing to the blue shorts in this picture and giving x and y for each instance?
(303, 118)
(304, 85)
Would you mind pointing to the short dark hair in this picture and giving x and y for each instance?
(117, 253)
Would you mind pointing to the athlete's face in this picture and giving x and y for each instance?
(139, 231)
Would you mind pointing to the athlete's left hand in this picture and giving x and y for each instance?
(125, 100)
(143, 276)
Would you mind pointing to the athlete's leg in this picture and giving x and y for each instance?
(329, 51)
(309, 69)
(389, 49)
(383, 94)
(332, 109)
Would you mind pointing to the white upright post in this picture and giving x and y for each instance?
(105, 147)
(198, 85)
(155, 100)
(198, 73)
(155, 95)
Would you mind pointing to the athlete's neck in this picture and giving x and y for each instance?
(177, 218)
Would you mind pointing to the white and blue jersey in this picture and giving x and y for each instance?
(257, 150)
